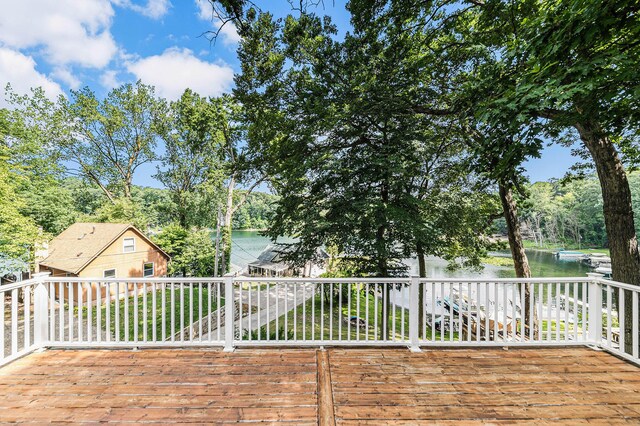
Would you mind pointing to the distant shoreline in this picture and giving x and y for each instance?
(584, 250)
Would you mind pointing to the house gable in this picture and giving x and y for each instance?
(84, 248)
(127, 263)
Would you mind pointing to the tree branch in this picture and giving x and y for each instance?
(246, 194)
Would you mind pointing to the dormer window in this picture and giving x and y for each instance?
(129, 245)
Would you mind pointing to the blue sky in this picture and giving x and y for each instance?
(68, 44)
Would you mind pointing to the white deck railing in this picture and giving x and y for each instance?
(240, 311)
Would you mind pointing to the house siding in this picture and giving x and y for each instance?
(127, 265)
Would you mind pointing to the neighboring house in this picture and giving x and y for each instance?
(104, 250)
(270, 263)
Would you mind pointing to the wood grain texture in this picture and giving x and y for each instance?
(473, 386)
(325, 393)
(161, 386)
(337, 386)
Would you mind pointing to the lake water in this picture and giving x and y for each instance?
(247, 246)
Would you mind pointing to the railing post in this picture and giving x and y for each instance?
(414, 313)
(40, 311)
(595, 308)
(229, 313)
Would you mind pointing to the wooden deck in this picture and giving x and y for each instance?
(305, 386)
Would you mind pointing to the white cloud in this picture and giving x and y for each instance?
(228, 31)
(20, 71)
(205, 10)
(66, 76)
(109, 79)
(154, 9)
(67, 31)
(178, 69)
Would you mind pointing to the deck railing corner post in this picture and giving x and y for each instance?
(595, 308)
(414, 292)
(229, 313)
(40, 310)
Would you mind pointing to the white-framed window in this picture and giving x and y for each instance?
(109, 273)
(148, 269)
(129, 245)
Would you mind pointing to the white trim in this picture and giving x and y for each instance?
(234, 292)
(10, 358)
(115, 272)
(176, 280)
(630, 287)
(124, 244)
(400, 343)
(620, 354)
(132, 344)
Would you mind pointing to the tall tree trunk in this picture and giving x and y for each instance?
(226, 228)
(383, 272)
(618, 213)
(127, 188)
(422, 272)
(217, 259)
(382, 265)
(95, 180)
(520, 260)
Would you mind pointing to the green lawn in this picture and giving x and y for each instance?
(553, 325)
(326, 323)
(129, 328)
(326, 320)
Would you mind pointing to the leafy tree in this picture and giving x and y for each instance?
(121, 210)
(18, 233)
(198, 255)
(539, 214)
(110, 139)
(354, 166)
(256, 213)
(49, 204)
(368, 183)
(29, 174)
(192, 251)
(240, 170)
(192, 168)
(570, 66)
(86, 197)
(172, 240)
(560, 212)
(203, 139)
(156, 203)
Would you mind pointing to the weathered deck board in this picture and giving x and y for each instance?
(180, 386)
(491, 385)
(326, 409)
(305, 386)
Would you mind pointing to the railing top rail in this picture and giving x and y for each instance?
(618, 284)
(324, 280)
(317, 280)
(20, 284)
(135, 280)
(508, 280)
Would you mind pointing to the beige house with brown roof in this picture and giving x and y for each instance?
(104, 250)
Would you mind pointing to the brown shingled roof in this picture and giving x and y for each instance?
(80, 243)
